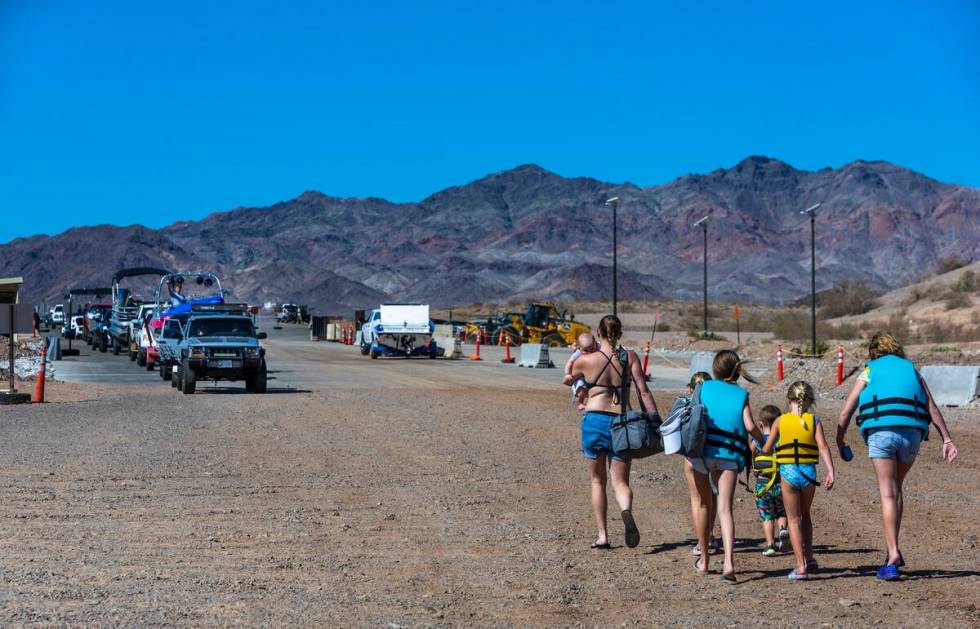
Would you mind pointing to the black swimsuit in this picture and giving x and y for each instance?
(617, 399)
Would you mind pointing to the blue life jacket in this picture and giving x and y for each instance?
(894, 398)
(726, 438)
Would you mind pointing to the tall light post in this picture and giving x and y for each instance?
(703, 224)
(614, 202)
(812, 211)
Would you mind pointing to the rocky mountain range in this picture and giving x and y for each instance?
(530, 233)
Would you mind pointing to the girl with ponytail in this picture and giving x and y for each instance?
(798, 440)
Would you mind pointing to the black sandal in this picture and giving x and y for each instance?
(605, 546)
(632, 533)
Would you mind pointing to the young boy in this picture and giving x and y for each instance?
(768, 492)
(586, 345)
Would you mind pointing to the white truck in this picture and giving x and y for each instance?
(398, 330)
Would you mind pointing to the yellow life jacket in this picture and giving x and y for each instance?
(797, 440)
(766, 468)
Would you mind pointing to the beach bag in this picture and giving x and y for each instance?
(635, 434)
(694, 426)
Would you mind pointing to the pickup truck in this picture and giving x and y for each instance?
(403, 330)
(219, 342)
(136, 324)
(57, 315)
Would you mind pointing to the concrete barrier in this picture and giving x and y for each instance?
(450, 346)
(535, 355)
(442, 330)
(700, 361)
(54, 348)
(951, 385)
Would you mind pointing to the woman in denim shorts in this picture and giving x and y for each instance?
(895, 410)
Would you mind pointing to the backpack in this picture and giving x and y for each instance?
(694, 419)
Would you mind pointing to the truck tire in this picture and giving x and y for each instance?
(168, 371)
(553, 339)
(365, 349)
(178, 378)
(256, 382)
(188, 383)
(141, 359)
(374, 354)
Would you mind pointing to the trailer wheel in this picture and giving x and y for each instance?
(374, 354)
(103, 346)
(132, 355)
(150, 365)
(116, 348)
(141, 359)
(178, 379)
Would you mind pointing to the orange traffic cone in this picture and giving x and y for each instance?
(39, 383)
(476, 354)
(507, 358)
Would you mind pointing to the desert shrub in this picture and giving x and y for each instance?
(792, 326)
(898, 325)
(967, 283)
(949, 263)
(663, 327)
(847, 298)
(957, 300)
(943, 332)
(841, 331)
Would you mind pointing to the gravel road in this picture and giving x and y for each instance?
(373, 493)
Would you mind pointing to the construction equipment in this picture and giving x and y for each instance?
(542, 323)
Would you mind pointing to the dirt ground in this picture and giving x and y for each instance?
(375, 504)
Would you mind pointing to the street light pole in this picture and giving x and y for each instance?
(703, 223)
(614, 202)
(812, 211)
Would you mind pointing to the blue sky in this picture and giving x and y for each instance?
(137, 112)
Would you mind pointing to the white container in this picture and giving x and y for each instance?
(671, 432)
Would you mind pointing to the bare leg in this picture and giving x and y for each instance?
(714, 517)
(702, 516)
(726, 493)
(791, 500)
(768, 527)
(782, 522)
(597, 469)
(692, 489)
(891, 475)
(806, 501)
(619, 472)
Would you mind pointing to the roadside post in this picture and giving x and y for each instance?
(646, 358)
(507, 358)
(476, 354)
(656, 317)
(738, 329)
(840, 365)
(779, 363)
(41, 375)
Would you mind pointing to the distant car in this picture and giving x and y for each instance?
(219, 342)
(57, 314)
(77, 328)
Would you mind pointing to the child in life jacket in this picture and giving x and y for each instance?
(768, 489)
(797, 439)
(586, 345)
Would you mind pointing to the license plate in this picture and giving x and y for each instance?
(225, 364)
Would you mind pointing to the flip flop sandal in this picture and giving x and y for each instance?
(605, 546)
(699, 570)
(796, 576)
(728, 579)
(632, 533)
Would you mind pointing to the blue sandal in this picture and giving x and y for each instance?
(889, 572)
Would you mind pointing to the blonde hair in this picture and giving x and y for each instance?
(698, 378)
(883, 344)
(728, 367)
(802, 393)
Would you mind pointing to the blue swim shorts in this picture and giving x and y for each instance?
(799, 476)
(597, 435)
(895, 443)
